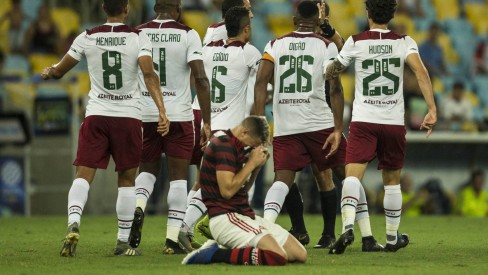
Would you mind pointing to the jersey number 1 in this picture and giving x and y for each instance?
(161, 66)
(109, 70)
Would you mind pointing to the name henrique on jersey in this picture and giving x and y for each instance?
(300, 60)
(380, 59)
(174, 45)
(228, 67)
(112, 51)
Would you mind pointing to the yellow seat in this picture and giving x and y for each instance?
(40, 61)
(452, 57)
(357, 7)
(280, 24)
(473, 98)
(405, 21)
(446, 9)
(197, 20)
(437, 85)
(66, 20)
(347, 28)
(475, 12)
(481, 26)
(339, 12)
(419, 37)
(19, 95)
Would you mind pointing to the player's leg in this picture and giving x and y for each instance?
(277, 193)
(289, 155)
(92, 153)
(126, 203)
(144, 184)
(391, 156)
(126, 146)
(362, 215)
(294, 206)
(328, 202)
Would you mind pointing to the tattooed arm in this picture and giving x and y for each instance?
(334, 69)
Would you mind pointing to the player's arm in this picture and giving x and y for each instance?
(151, 80)
(57, 71)
(230, 183)
(327, 31)
(334, 69)
(415, 63)
(202, 86)
(263, 77)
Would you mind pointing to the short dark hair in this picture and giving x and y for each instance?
(236, 19)
(476, 173)
(381, 11)
(307, 9)
(458, 85)
(228, 4)
(258, 127)
(114, 7)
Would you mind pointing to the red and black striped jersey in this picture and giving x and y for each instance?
(224, 153)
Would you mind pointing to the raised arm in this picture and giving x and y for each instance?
(415, 63)
(151, 80)
(202, 86)
(264, 76)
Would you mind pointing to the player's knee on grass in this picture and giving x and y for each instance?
(295, 250)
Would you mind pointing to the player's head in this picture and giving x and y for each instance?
(381, 11)
(228, 4)
(115, 8)
(253, 131)
(238, 23)
(306, 15)
(170, 7)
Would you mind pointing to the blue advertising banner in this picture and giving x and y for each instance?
(12, 186)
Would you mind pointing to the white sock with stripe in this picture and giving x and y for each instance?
(362, 214)
(77, 197)
(177, 206)
(349, 202)
(190, 196)
(144, 188)
(195, 210)
(274, 200)
(126, 204)
(392, 203)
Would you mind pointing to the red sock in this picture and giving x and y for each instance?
(255, 256)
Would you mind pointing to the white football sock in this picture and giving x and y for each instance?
(392, 204)
(349, 202)
(177, 206)
(144, 188)
(77, 196)
(274, 200)
(195, 210)
(362, 214)
(190, 196)
(126, 204)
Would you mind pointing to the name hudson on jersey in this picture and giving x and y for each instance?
(115, 97)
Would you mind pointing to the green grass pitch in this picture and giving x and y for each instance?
(439, 245)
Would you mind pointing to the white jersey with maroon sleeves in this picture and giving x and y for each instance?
(228, 68)
(112, 51)
(380, 59)
(174, 45)
(300, 60)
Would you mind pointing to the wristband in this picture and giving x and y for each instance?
(327, 29)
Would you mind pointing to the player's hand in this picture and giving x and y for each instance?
(429, 122)
(163, 124)
(258, 156)
(322, 15)
(333, 140)
(45, 73)
(206, 135)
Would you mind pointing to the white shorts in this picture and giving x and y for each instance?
(234, 230)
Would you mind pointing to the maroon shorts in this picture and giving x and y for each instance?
(295, 152)
(178, 143)
(102, 136)
(197, 154)
(368, 140)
